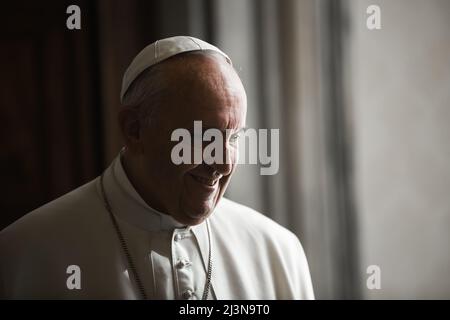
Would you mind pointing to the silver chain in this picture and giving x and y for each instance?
(130, 260)
(209, 273)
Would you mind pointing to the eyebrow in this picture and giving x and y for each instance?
(241, 129)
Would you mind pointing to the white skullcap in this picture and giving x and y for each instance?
(162, 50)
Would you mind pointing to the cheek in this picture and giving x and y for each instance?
(165, 175)
(233, 155)
(171, 181)
(158, 144)
(180, 173)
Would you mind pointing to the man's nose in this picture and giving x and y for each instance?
(224, 167)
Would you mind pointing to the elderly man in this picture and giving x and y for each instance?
(151, 229)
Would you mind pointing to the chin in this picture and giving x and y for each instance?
(190, 221)
(194, 217)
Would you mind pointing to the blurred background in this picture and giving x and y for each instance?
(364, 119)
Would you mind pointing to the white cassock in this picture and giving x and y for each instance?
(252, 256)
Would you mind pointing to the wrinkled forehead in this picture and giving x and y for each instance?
(204, 87)
(200, 71)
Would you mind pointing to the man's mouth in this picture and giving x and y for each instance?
(206, 181)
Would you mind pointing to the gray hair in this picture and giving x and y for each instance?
(146, 91)
(144, 94)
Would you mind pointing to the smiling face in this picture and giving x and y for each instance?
(200, 88)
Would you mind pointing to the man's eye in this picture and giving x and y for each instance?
(234, 137)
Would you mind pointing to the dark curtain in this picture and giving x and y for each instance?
(50, 132)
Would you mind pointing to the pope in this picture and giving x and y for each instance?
(148, 228)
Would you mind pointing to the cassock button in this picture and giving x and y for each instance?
(183, 263)
(178, 237)
(188, 294)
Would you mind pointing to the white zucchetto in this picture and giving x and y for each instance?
(161, 50)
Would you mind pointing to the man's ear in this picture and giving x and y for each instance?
(130, 126)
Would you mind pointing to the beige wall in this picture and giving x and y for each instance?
(400, 97)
